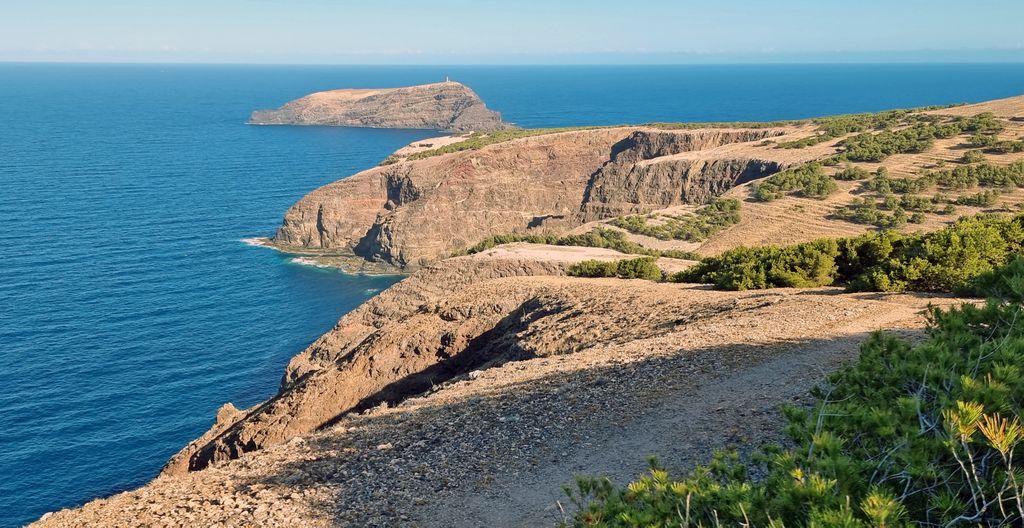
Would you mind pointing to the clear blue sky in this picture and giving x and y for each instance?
(511, 31)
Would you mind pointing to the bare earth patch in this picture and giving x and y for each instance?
(630, 368)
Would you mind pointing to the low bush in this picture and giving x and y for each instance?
(708, 220)
(983, 174)
(809, 181)
(911, 434)
(981, 199)
(877, 147)
(982, 140)
(918, 204)
(1005, 147)
(884, 184)
(851, 173)
(918, 137)
(972, 156)
(638, 268)
(746, 268)
(832, 127)
(866, 211)
(941, 261)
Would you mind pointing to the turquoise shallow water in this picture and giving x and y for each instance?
(129, 307)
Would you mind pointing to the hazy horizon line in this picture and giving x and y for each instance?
(1001, 55)
(508, 64)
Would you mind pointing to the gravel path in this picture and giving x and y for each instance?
(495, 447)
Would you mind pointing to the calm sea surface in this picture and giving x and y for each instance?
(130, 310)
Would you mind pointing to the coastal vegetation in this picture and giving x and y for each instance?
(868, 211)
(638, 268)
(980, 199)
(1006, 147)
(918, 137)
(887, 210)
(947, 260)
(852, 173)
(972, 156)
(981, 174)
(832, 127)
(910, 434)
(808, 181)
(705, 222)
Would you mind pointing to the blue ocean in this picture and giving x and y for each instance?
(130, 306)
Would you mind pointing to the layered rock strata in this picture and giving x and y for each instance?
(412, 213)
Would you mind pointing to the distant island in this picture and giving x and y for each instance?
(448, 105)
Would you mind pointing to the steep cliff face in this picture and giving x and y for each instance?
(645, 172)
(440, 106)
(412, 213)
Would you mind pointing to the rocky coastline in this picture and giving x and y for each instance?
(469, 392)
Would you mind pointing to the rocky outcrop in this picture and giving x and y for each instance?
(412, 213)
(622, 369)
(399, 343)
(441, 106)
(646, 173)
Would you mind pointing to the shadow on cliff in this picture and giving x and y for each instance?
(496, 453)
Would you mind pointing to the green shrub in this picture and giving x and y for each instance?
(983, 174)
(1005, 147)
(883, 184)
(866, 211)
(981, 199)
(877, 147)
(919, 204)
(918, 137)
(638, 268)
(851, 173)
(808, 180)
(972, 156)
(708, 220)
(832, 127)
(940, 261)
(911, 434)
(982, 140)
(800, 265)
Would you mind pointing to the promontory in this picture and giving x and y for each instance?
(579, 299)
(449, 106)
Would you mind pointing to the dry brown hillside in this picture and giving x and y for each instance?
(526, 377)
(423, 207)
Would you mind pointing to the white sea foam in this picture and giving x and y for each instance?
(307, 261)
(255, 241)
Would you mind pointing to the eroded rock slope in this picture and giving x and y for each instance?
(412, 336)
(412, 213)
(532, 377)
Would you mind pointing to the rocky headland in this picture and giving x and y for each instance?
(448, 106)
(470, 392)
(412, 213)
